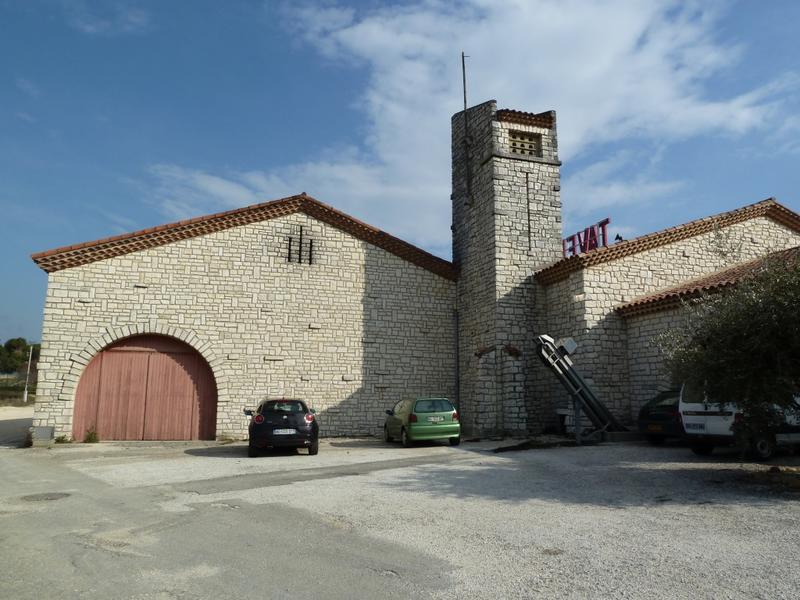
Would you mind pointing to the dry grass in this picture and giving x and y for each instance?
(781, 478)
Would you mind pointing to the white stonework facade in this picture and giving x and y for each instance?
(506, 226)
(350, 333)
(366, 320)
(617, 355)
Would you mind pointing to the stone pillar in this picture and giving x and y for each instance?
(506, 226)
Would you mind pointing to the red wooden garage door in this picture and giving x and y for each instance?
(147, 387)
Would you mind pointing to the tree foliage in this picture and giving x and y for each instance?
(743, 345)
(14, 356)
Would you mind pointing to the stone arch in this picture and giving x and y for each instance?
(80, 361)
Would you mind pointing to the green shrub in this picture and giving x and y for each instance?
(91, 436)
(742, 345)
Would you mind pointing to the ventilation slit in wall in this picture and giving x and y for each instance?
(527, 144)
(301, 248)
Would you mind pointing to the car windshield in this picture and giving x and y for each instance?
(433, 405)
(283, 406)
(692, 393)
(665, 399)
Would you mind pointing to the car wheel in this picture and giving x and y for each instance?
(702, 449)
(655, 440)
(252, 452)
(763, 447)
(404, 439)
(313, 449)
(455, 441)
(386, 436)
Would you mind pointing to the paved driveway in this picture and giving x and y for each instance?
(368, 520)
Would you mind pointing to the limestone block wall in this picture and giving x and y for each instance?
(646, 365)
(528, 237)
(351, 333)
(473, 254)
(584, 304)
(506, 225)
(560, 307)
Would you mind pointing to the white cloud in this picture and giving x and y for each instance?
(786, 138)
(620, 179)
(119, 223)
(28, 87)
(615, 70)
(23, 116)
(106, 18)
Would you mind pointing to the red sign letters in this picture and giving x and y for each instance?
(590, 238)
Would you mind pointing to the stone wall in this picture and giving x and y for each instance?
(583, 305)
(528, 238)
(351, 333)
(561, 306)
(473, 255)
(506, 225)
(647, 374)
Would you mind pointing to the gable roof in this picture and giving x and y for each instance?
(715, 282)
(766, 208)
(88, 252)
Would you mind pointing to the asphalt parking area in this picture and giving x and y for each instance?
(367, 519)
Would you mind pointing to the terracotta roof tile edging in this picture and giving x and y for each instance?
(769, 207)
(88, 252)
(713, 282)
(545, 119)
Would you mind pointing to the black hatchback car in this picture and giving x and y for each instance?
(659, 418)
(282, 423)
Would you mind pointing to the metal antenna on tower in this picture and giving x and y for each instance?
(467, 139)
(464, 76)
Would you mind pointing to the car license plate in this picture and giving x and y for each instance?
(695, 426)
(654, 427)
(284, 431)
(435, 419)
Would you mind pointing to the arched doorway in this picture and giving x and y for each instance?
(146, 387)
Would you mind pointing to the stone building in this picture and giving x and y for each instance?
(169, 332)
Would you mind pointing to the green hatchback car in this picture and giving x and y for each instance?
(422, 419)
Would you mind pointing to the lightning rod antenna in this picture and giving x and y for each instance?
(467, 139)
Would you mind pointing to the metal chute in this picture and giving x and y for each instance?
(555, 354)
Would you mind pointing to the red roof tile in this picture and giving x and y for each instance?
(766, 208)
(715, 282)
(546, 119)
(88, 252)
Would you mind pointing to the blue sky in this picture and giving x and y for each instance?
(120, 115)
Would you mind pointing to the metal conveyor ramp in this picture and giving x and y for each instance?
(556, 356)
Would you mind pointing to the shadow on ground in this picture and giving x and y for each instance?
(357, 443)
(14, 432)
(611, 476)
(239, 450)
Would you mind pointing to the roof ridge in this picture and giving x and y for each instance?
(769, 207)
(544, 119)
(87, 252)
(163, 227)
(710, 282)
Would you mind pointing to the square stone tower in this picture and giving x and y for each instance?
(506, 226)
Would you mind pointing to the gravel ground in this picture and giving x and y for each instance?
(609, 521)
(615, 521)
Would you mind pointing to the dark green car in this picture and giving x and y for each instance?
(422, 419)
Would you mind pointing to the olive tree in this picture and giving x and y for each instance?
(742, 343)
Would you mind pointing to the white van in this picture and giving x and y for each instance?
(709, 424)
